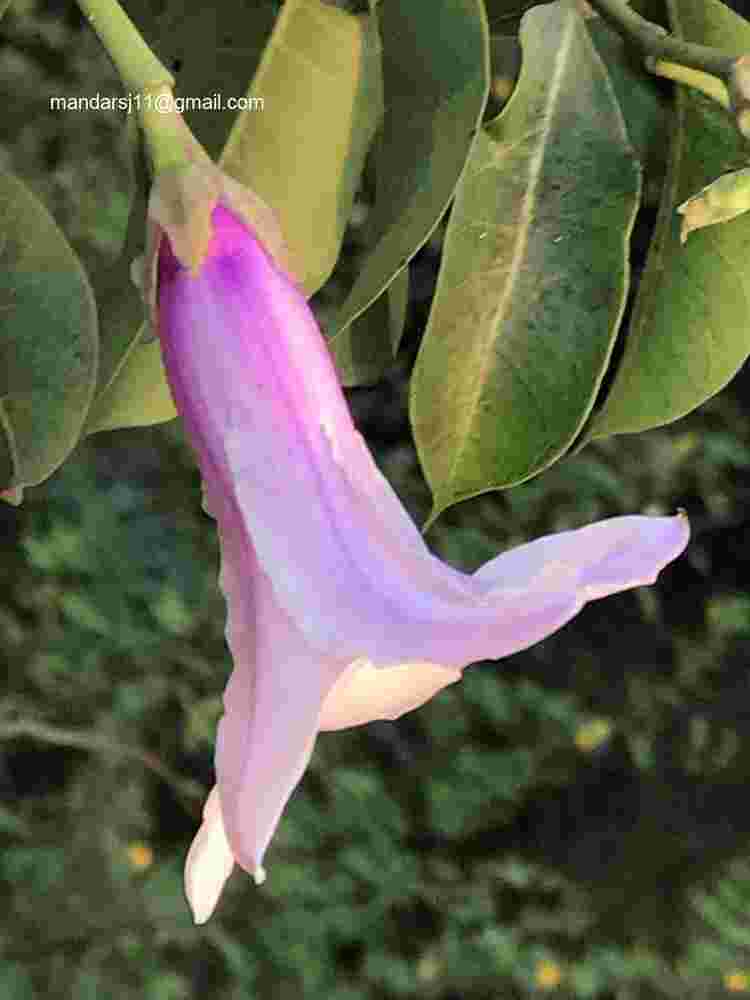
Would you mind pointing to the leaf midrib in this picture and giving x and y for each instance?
(485, 345)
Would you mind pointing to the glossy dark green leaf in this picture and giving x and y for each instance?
(48, 340)
(436, 75)
(364, 350)
(690, 329)
(646, 110)
(534, 273)
(370, 344)
(320, 78)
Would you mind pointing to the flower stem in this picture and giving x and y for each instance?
(144, 75)
(139, 68)
(164, 131)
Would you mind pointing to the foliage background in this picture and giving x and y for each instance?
(569, 821)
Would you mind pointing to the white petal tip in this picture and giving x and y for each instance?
(209, 862)
(200, 916)
(259, 875)
(202, 899)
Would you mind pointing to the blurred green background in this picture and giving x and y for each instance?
(571, 821)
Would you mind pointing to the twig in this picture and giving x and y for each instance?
(190, 792)
(655, 41)
(719, 75)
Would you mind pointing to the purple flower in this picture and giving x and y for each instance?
(338, 614)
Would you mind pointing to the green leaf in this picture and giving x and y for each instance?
(645, 108)
(48, 340)
(534, 273)
(367, 348)
(320, 78)
(138, 394)
(652, 10)
(132, 389)
(436, 77)
(505, 67)
(690, 329)
(504, 16)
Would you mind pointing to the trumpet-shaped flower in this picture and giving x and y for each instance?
(338, 613)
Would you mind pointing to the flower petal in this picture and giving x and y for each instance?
(529, 592)
(266, 412)
(337, 612)
(598, 559)
(364, 692)
(590, 562)
(352, 573)
(266, 736)
(209, 862)
(272, 701)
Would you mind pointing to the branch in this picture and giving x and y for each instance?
(190, 792)
(655, 41)
(723, 77)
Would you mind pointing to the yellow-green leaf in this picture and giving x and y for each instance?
(121, 318)
(138, 393)
(320, 80)
(534, 273)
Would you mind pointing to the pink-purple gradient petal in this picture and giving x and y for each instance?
(337, 612)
